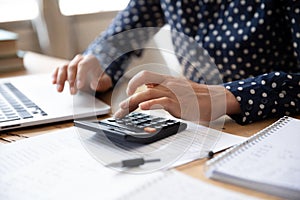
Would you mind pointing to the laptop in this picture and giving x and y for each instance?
(33, 100)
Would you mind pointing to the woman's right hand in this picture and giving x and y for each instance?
(82, 72)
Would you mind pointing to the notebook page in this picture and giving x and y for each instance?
(273, 159)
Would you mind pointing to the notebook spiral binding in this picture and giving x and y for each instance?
(235, 150)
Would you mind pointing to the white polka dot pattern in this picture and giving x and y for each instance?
(255, 45)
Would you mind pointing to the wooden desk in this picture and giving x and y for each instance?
(36, 63)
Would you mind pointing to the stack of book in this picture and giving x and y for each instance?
(11, 58)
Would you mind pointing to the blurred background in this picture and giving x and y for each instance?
(64, 28)
(44, 25)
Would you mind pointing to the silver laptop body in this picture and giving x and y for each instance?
(35, 101)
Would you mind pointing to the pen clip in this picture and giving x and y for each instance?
(135, 162)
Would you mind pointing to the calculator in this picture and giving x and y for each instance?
(135, 127)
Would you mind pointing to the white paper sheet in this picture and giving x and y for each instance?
(56, 166)
(193, 143)
(178, 186)
(216, 141)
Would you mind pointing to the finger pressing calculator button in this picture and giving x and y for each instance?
(150, 130)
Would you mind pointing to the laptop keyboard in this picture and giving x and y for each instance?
(14, 105)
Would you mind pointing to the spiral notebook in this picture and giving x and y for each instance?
(269, 161)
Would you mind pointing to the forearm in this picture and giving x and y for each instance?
(232, 105)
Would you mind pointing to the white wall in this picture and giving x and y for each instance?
(87, 27)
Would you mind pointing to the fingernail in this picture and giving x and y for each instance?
(118, 114)
(94, 85)
(59, 87)
(124, 104)
(73, 90)
(79, 84)
(142, 106)
(128, 92)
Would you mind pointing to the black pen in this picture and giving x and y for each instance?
(210, 154)
(135, 162)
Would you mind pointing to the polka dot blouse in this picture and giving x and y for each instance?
(255, 46)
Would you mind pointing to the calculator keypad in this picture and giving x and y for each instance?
(144, 122)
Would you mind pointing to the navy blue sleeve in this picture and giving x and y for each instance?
(292, 17)
(274, 94)
(114, 47)
(270, 95)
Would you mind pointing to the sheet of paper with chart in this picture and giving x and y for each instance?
(57, 166)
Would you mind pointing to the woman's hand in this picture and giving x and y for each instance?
(180, 97)
(82, 72)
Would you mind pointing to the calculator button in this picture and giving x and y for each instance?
(135, 122)
(153, 123)
(147, 124)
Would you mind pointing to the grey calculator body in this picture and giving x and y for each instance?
(134, 127)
